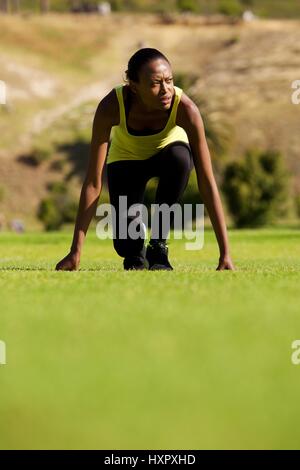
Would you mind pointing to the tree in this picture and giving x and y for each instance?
(44, 6)
(256, 188)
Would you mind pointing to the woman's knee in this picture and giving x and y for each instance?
(179, 156)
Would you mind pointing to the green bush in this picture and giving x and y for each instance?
(58, 208)
(230, 7)
(256, 188)
(49, 214)
(297, 204)
(188, 5)
(191, 194)
(116, 5)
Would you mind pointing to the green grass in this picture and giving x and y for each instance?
(193, 358)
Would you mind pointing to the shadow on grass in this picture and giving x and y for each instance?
(13, 268)
(52, 269)
(77, 154)
(74, 154)
(28, 159)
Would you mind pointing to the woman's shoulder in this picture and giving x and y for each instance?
(186, 101)
(187, 110)
(109, 107)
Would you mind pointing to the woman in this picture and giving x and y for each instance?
(157, 131)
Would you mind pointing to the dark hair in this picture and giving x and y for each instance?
(139, 59)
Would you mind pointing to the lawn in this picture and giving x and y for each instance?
(189, 359)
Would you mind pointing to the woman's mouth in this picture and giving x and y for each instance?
(165, 100)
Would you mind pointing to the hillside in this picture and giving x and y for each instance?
(57, 68)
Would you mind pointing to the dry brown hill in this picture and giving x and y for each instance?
(54, 64)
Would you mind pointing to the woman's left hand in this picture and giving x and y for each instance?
(225, 263)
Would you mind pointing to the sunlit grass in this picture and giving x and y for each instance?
(192, 358)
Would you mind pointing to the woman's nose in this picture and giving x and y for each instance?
(164, 87)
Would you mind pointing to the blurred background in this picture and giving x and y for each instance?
(237, 59)
(196, 358)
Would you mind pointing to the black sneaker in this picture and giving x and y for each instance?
(133, 263)
(157, 256)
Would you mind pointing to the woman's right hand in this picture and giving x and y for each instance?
(69, 262)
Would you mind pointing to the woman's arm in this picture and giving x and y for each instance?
(92, 185)
(191, 121)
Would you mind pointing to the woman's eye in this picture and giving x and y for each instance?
(169, 80)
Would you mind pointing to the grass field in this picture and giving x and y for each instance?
(189, 359)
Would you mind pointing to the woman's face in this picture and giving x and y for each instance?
(155, 88)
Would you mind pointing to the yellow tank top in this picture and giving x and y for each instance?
(125, 146)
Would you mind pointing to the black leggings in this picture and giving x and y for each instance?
(172, 165)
